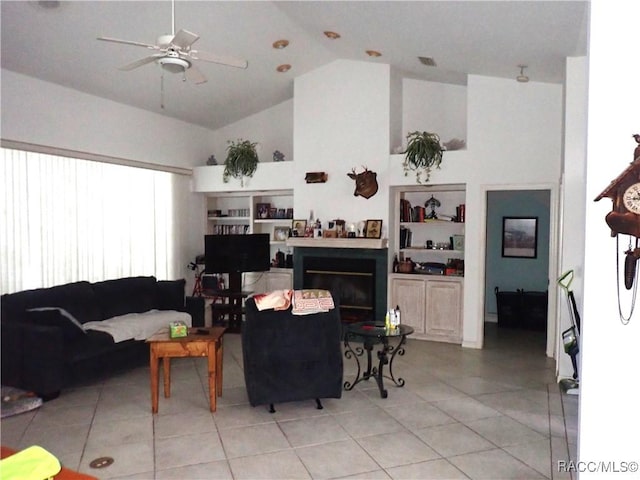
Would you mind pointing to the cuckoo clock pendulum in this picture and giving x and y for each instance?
(624, 218)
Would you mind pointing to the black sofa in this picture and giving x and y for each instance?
(44, 349)
(291, 357)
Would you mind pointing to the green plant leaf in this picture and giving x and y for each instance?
(242, 160)
(422, 154)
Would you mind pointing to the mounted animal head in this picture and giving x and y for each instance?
(366, 182)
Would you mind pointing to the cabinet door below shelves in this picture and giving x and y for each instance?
(443, 310)
(409, 295)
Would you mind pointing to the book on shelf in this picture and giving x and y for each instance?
(405, 210)
(405, 237)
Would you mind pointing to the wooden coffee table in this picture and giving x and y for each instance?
(209, 345)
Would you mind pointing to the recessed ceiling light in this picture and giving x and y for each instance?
(280, 44)
(331, 35)
(428, 61)
(285, 67)
(373, 53)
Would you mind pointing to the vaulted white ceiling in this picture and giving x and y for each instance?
(56, 42)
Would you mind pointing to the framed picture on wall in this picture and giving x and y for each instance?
(520, 237)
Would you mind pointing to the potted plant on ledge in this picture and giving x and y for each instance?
(242, 160)
(423, 153)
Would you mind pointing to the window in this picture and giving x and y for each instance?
(66, 219)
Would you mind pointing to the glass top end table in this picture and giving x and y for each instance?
(391, 342)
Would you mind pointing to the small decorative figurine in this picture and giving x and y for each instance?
(278, 156)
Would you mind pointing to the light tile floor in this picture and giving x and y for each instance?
(495, 413)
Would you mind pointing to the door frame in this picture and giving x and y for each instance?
(554, 229)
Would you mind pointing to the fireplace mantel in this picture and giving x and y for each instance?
(376, 243)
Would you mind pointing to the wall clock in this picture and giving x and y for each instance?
(624, 219)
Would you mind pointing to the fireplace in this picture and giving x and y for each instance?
(357, 276)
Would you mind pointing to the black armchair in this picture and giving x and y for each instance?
(291, 357)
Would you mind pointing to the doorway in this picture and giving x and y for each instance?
(513, 270)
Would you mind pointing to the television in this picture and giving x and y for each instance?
(234, 254)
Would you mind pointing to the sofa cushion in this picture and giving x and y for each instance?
(92, 345)
(126, 295)
(171, 294)
(57, 317)
(77, 298)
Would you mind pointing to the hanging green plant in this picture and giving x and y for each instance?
(423, 153)
(242, 160)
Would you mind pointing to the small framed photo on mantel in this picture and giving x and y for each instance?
(298, 227)
(373, 229)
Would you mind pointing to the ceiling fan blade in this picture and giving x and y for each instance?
(194, 75)
(142, 61)
(222, 60)
(128, 42)
(184, 39)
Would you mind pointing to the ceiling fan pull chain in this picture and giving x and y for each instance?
(161, 88)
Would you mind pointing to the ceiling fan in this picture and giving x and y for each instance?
(175, 54)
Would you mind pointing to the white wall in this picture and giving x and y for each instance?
(434, 107)
(47, 114)
(514, 141)
(341, 122)
(44, 113)
(272, 129)
(609, 421)
(571, 253)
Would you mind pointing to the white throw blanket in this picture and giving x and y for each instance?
(138, 326)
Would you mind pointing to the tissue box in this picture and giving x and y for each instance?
(178, 329)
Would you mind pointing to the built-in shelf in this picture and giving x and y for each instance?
(228, 219)
(273, 220)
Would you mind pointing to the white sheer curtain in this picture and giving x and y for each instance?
(66, 219)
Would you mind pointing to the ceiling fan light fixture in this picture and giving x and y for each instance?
(280, 44)
(522, 78)
(174, 65)
(285, 67)
(373, 53)
(331, 35)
